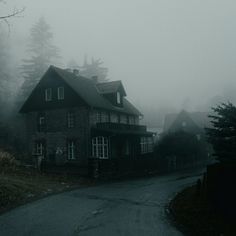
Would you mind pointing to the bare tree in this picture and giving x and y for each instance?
(15, 13)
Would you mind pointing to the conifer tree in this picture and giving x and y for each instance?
(42, 52)
(222, 135)
(94, 68)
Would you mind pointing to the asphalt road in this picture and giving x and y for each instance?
(134, 207)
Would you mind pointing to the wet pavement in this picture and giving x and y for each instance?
(133, 207)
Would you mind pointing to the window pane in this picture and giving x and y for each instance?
(48, 94)
(71, 149)
(104, 117)
(123, 119)
(118, 98)
(100, 147)
(114, 118)
(71, 119)
(60, 93)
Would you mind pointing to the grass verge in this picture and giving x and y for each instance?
(24, 185)
(193, 216)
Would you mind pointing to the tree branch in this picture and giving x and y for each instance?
(13, 14)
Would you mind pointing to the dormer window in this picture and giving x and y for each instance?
(60, 93)
(118, 98)
(48, 94)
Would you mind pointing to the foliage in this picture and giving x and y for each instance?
(42, 52)
(12, 140)
(222, 135)
(6, 74)
(7, 161)
(180, 144)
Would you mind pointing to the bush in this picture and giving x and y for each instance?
(7, 162)
(181, 149)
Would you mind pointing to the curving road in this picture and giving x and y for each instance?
(134, 207)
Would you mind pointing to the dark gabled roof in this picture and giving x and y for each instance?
(111, 87)
(87, 90)
(201, 119)
(169, 119)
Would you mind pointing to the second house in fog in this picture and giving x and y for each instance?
(70, 118)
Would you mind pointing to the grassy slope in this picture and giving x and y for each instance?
(193, 215)
(24, 185)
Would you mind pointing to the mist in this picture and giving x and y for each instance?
(168, 54)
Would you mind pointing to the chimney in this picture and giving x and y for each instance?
(76, 72)
(95, 79)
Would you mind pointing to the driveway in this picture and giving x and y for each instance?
(134, 207)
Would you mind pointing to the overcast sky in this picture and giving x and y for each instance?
(164, 51)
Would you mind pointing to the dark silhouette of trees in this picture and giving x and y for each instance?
(222, 135)
(94, 68)
(42, 52)
(6, 74)
(181, 144)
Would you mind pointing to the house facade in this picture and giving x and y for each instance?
(72, 119)
(182, 125)
(190, 122)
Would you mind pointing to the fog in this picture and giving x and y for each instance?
(168, 53)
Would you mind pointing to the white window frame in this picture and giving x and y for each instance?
(41, 122)
(118, 98)
(60, 93)
(70, 119)
(146, 144)
(100, 147)
(150, 144)
(48, 94)
(39, 148)
(71, 150)
(98, 116)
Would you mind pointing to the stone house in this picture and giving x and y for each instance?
(72, 119)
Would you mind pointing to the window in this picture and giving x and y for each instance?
(48, 94)
(114, 118)
(131, 120)
(41, 122)
(198, 136)
(98, 117)
(60, 93)
(71, 149)
(104, 117)
(146, 144)
(136, 120)
(39, 148)
(123, 119)
(70, 119)
(100, 147)
(150, 144)
(118, 98)
(127, 147)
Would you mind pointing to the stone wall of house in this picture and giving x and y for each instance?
(57, 134)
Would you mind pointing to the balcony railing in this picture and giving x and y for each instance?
(121, 127)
